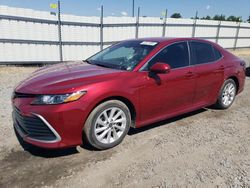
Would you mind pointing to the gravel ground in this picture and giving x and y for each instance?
(205, 148)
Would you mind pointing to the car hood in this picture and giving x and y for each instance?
(64, 78)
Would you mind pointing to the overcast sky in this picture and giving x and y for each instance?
(148, 7)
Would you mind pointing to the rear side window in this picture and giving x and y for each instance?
(202, 53)
(217, 54)
(176, 55)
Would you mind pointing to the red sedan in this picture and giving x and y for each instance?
(130, 84)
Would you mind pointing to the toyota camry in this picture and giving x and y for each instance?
(130, 84)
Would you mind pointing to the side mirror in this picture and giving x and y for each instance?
(160, 68)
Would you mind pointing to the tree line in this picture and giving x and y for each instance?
(215, 17)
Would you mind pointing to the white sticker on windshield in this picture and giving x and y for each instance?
(148, 43)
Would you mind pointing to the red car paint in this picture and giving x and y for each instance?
(183, 90)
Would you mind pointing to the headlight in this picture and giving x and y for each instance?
(58, 99)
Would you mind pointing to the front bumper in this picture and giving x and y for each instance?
(35, 128)
(49, 126)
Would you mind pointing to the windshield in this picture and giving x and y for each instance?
(124, 56)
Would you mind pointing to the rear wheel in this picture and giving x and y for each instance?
(107, 124)
(227, 94)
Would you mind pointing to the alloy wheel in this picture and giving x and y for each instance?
(228, 94)
(110, 125)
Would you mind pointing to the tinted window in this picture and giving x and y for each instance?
(176, 55)
(217, 54)
(201, 53)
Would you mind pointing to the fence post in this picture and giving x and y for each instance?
(194, 25)
(101, 29)
(236, 36)
(164, 23)
(218, 32)
(137, 23)
(59, 31)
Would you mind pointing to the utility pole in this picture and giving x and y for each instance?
(101, 29)
(133, 8)
(164, 23)
(194, 25)
(59, 30)
(137, 23)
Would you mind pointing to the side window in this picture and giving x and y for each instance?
(176, 55)
(201, 53)
(217, 54)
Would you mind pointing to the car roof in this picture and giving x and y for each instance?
(169, 39)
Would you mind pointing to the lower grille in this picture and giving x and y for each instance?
(33, 127)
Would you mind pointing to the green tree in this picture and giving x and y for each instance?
(234, 19)
(176, 15)
(219, 17)
(231, 18)
(248, 19)
(206, 18)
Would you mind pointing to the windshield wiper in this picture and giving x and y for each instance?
(105, 65)
(101, 65)
(96, 63)
(87, 61)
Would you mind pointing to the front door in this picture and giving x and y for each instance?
(167, 93)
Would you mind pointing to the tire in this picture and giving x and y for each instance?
(225, 93)
(107, 124)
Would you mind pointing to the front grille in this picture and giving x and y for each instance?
(33, 127)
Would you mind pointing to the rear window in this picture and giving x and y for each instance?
(202, 53)
(217, 54)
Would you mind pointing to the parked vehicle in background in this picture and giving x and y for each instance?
(130, 84)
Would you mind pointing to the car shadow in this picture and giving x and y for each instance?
(55, 153)
(164, 122)
(87, 146)
(133, 131)
(45, 153)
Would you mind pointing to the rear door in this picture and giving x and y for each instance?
(209, 71)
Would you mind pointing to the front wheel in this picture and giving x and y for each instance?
(107, 124)
(227, 94)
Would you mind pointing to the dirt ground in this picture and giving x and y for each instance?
(205, 148)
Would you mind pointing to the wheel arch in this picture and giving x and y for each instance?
(123, 99)
(127, 102)
(236, 80)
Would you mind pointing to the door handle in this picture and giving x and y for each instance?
(222, 67)
(189, 74)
